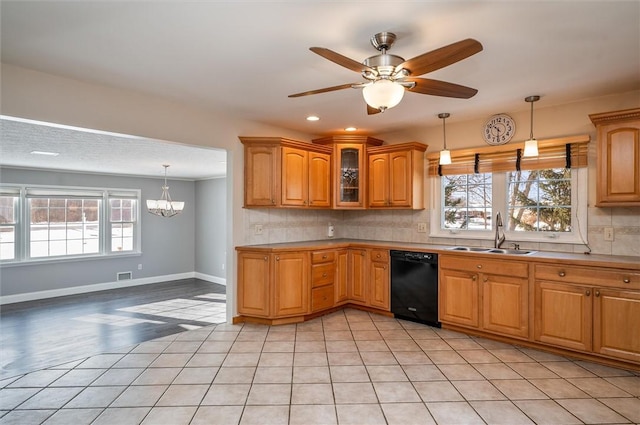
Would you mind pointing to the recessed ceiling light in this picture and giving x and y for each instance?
(313, 118)
(350, 129)
(44, 153)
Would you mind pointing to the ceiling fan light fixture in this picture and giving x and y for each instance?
(383, 94)
(531, 145)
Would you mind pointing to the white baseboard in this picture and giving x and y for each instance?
(210, 278)
(31, 296)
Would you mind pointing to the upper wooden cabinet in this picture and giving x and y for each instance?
(396, 176)
(281, 172)
(349, 169)
(618, 158)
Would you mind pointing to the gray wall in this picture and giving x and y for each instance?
(168, 244)
(211, 227)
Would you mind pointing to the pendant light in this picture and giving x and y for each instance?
(531, 145)
(164, 206)
(445, 154)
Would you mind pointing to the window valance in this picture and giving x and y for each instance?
(565, 152)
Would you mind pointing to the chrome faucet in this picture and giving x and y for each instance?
(499, 240)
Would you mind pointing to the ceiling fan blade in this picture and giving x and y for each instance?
(341, 60)
(439, 58)
(440, 88)
(372, 111)
(324, 90)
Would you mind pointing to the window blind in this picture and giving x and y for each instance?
(566, 152)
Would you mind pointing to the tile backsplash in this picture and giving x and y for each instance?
(289, 225)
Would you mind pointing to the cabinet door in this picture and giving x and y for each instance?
(349, 176)
(379, 288)
(319, 180)
(616, 323)
(357, 276)
(260, 176)
(254, 276)
(342, 276)
(505, 305)
(458, 300)
(379, 180)
(400, 172)
(619, 164)
(291, 284)
(563, 315)
(295, 177)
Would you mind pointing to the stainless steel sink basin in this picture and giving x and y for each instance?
(492, 250)
(510, 251)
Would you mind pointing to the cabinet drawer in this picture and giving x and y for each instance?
(322, 298)
(589, 276)
(482, 265)
(322, 274)
(381, 255)
(318, 257)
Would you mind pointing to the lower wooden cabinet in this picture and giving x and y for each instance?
(588, 309)
(254, 284)
(616, 318)
(563, 315)
(379, 280)
(273, 285)
(486, 294)
(357, 283)
(341, 284)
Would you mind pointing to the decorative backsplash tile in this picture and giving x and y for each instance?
(289, 225)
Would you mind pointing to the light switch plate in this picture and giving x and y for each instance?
(608, 233)
(422, 227)
(258, 229)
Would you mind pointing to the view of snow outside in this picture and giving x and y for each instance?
(537, 200)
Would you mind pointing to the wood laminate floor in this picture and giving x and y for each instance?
(43, 333)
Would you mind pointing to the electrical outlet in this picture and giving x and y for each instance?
(139, 266)
(608, 233)
(422, 227)
(258, 229)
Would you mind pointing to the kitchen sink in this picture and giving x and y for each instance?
(492, 250)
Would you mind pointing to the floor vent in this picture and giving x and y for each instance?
(123, 276)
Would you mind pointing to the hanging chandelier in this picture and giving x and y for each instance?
(164, 206)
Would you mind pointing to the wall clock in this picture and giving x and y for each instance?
(499, 129)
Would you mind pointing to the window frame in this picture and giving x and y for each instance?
(579, 195)
(13, 193)
(103, 195)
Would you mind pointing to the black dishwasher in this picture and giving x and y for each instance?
(414, 286)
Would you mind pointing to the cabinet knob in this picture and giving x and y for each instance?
(324, 275)
(273, 201)
(362, 253)
(587, 292)
(277, 258)
(384, 267)
(479, 266)
(324, 257)
(266, 258)
(474, 278)
(562, 274)
(626, 280)
(485, 279)
(597, 293)
(378, 255)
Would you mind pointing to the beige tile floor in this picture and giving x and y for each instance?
(349, 367)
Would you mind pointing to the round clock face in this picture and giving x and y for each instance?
(499, 129)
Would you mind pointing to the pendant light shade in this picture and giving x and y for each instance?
(445, 154)
(383, 94)
(531, 145)
(164, 207)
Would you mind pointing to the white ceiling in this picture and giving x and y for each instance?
(245, 57)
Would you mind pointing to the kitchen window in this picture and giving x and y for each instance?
(48, 223)
(544, 199)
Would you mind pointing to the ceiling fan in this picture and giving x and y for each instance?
(389, 76)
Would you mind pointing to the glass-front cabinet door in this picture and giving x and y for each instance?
(350, 176)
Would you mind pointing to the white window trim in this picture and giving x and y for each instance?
(579, 195)
(22, 227)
